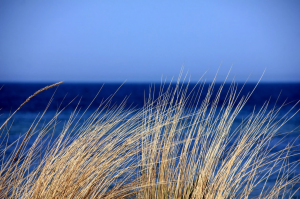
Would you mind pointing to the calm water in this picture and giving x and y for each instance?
(12, 95)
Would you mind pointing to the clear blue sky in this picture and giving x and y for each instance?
(99, 41)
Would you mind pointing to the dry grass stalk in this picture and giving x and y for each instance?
(27, 100)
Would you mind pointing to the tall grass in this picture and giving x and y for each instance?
(164, 150)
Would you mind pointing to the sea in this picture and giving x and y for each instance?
(70, 96)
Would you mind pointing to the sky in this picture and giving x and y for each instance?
(145, 41)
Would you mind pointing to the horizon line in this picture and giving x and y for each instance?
(145, 82)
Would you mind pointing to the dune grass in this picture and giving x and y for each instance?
(164, 150)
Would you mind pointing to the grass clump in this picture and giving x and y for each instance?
(164, 150)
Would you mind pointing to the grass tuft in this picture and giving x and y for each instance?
(165, 150)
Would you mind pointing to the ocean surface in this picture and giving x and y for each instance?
(12, 95)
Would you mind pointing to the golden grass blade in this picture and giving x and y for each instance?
(18, 151)
(29, 98)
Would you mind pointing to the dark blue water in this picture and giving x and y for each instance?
(12, 95)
